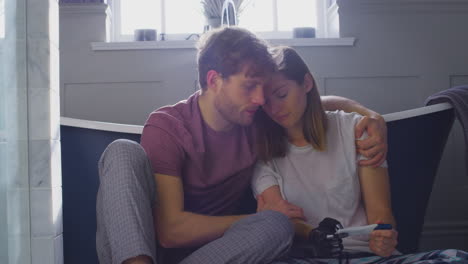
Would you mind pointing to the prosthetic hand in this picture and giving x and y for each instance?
(324, 241)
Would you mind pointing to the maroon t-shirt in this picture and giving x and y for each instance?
(215, 167)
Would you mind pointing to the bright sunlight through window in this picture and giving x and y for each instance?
(258, 16)
(139, 14)
(188, 19)
(301, 14)
(185, 17)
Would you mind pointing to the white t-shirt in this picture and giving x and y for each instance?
(323, 184)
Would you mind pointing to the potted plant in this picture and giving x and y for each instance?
(212, 9)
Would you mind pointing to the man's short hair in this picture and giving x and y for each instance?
(228, 50)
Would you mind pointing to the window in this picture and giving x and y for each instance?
(2, 19)
(183, 19)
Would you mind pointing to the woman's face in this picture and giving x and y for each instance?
(286, 101)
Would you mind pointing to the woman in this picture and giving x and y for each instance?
(308, 157)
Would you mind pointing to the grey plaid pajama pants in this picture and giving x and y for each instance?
(125, 202)
(445, 256)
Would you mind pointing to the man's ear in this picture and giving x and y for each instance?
(213, 79)
(308, 82)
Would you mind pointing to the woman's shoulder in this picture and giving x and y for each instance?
(341, 126)
(342, 119)
(342, 114)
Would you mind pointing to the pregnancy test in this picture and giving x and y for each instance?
(360, 230)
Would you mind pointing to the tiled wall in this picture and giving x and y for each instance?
(44, 131)
(30, 185)
(3, 204)
(3, 199)
(15, 178)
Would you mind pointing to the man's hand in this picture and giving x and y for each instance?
(383, 242)
(282, 206)
(375, 146)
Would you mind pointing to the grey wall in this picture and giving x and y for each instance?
(404, 51)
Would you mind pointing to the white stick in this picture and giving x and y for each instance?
(357, 230)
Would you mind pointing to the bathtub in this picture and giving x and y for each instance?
(416, 141)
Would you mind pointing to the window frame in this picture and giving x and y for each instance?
(322, 9)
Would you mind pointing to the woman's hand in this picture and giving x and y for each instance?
(383, 242)
(375, 146)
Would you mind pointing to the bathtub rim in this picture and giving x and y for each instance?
(417, 111)
(98, 125)
(135, 129)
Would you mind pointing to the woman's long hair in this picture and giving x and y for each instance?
(272, 140)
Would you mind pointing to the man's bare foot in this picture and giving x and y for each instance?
(139, 260)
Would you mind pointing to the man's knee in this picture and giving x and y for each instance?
(279, 225)
(123, 148)
(123, 151)
(269, 232)
(122, 155)
(273, 227)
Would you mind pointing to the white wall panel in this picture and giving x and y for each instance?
(383, 94)
(457, 80)
(122, 102)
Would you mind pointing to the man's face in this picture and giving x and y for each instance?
(239, 97)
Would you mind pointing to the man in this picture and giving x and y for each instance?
(201, 155)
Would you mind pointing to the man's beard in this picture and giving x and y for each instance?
(228, 110)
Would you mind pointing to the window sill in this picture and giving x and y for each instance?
(190, 44)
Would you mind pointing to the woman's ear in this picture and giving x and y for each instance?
(308, 82)
(213, 79)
